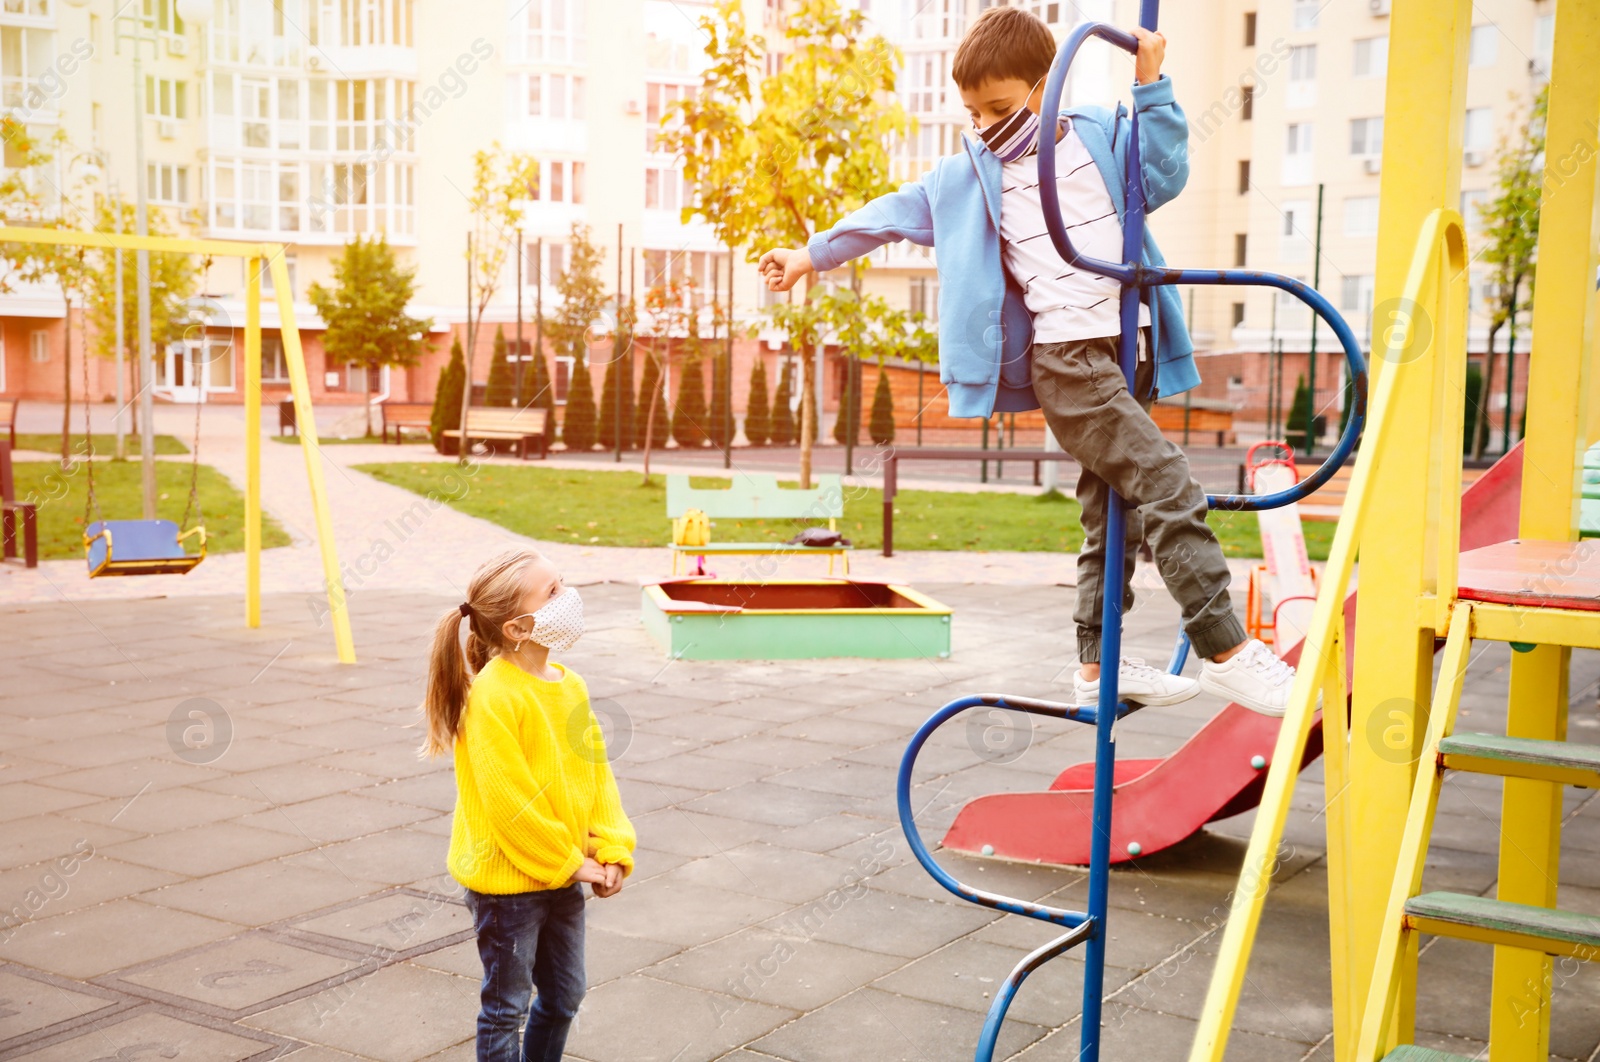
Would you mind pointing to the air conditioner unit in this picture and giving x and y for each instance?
(1473, 158)
(1379, 8)
(631, 107)
(314, 62)
(1372, 164)
(177, 46)
(166, 128)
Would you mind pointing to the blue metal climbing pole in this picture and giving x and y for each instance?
(1088, 927)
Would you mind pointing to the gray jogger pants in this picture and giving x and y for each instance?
(1088, 408)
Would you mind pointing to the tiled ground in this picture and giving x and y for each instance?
(286, 897)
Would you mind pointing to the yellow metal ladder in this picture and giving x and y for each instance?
(1390, 1009)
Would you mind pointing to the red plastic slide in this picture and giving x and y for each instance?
(1211, 776)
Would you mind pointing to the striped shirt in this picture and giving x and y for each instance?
(1066, 303)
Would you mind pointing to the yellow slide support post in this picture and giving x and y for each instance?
(1563, 332)
(253, 254)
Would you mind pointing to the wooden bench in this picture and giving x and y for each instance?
(11, 510)
(286, 421)
(1327, 501)
(8, 419)
(757, 496)
(403, 415)
(520, 426)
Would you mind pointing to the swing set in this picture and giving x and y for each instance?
(157, 547)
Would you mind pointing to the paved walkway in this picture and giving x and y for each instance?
(217, 845)
(391, 539)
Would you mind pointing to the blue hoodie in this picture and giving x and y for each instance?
(985, 329)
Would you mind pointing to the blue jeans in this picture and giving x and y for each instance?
(528, 941)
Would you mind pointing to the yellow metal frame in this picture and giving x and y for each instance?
(923, 602)
(254, 254)
(1437, 279)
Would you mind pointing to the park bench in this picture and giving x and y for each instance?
(757, 496)
(1328, 501)
(286, 421)
(403, 415)
(11, 510)
(520, 426)
(8, 419)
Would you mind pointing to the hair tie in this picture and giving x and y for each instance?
(466, 610)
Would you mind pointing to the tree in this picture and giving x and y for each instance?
(758, 417)
(783, 426)
(1509, 225)
(578, 427)
(365, 312)
(500, 182)
(446, 414)
(172, 280)
(618, 390)
(583, 294)
(881, 429)
(719, 419)
(847, 425)
(1300, 421)
(689, 415)
(652, 413)
(1472, 401)
(537, 389)
(501, 379)
(814, 148)
(669, 315)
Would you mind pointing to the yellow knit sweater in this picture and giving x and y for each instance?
(534, 789)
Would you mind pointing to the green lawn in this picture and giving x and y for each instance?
(60, 498)
(615, 509)
(104, 445)
(410, 438)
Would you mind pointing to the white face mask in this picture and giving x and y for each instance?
(559, 624)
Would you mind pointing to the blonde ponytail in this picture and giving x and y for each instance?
(493, 597)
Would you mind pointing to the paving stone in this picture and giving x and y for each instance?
(109, 936)
(336, 817)
(768, 871)
(53, 836)
(23, 799)
(156, 1034)
(757, 964)
(690, 769)
(608, 956)
(853, 733)
(289, 783)
(240, 973)
(640, 797)
(462, 959)
(262, 893)
(175, 808)
(391, 857)
(401, 1013)
(842, 777)
(207, 849)
(686, 1025)
(863, 917)
(396, 922)
(1133, 1034)
(435, 791)
(873, 1026)
(681, 914)
(132, 776)
(775, 805)
(648, 746)
(693, 833)
(703, 727)
(32, 1004)
(385, 761)
(827, 834)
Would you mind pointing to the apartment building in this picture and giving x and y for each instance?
(313, 121)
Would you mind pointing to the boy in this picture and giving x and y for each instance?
(998, 267)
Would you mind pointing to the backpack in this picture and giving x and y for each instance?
(691, 529)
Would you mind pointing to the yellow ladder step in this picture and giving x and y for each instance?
(1411, 1053)
(1510, 757)
(1516, 925)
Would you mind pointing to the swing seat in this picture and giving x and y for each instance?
(140, 547)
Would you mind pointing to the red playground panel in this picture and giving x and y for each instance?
(1219, 771)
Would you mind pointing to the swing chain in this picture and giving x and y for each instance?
(193, 504)
(91, 504)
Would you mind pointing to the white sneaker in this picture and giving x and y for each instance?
(1138, 683)
(1253, 677)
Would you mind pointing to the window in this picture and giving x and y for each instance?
(533, 270)
(559, 96)
(1544, 42)
(39, 346)
(558, 182)
(1244, 176)
(1297, 154)
(1302, 76)
(165, 97)
(577, 182)
(1240, 243)
(661, 188)
(274, 369)
(1485, 46)
(658, 102)
(1370, 57)
(561, 376)
(1247, 102)
(1238, 314)
(1249, 29)
(26, 55)
(1477, 129)
(925, 297)
(692, 270)
(549, 31)
(255, 112)
(938, 20)
(1361, 215)
(1366, 136)
(159, 15)
(1472, 204)
(1294, 244)
(166, 183)
(925, 83)
(266, 276)
(1355, 294)
(1305, 14)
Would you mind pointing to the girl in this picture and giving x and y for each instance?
(537, 809)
